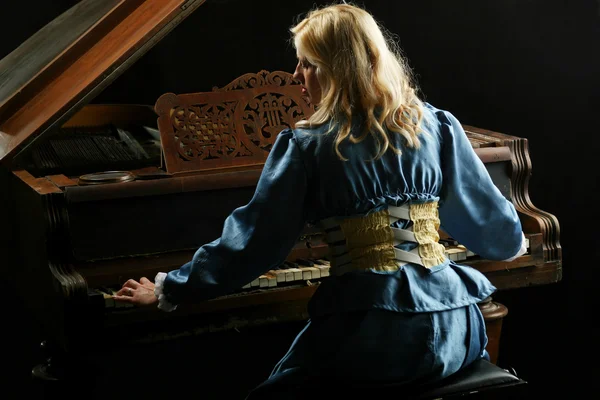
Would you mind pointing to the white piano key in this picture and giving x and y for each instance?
(263, 281)
(279, 274)
(289, 275)
(112, 303)
(306, 273)
(324, 270)
(450, 253)
(462, 253)
(456, 253)
(297, 273)
(109, 302)
(316, 272)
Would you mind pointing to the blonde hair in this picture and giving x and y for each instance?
(359, 70)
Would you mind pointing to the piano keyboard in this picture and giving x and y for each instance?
(309, 270)
(302, 271)
(458, 252)
(103, 296)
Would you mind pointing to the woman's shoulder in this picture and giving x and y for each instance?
(310, 136)
(439, 122)
(312, 131)
(437, 116)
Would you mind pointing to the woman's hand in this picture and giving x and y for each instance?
(139, 293)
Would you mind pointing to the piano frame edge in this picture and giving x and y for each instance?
(263, 307)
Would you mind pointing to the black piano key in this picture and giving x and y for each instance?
(95, 298)
(289, 264)
(448, 242)
(306, 262)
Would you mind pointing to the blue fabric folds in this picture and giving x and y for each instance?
(376, 346)
(412, 289)
(256, 237)
(303, 181)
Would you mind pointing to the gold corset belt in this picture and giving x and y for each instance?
(368, 242)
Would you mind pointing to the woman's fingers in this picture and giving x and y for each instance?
(127, 299)
(125, 291)
(132, 283)
(139, 293)
(144, 280)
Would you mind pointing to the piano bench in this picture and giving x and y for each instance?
(480, 380)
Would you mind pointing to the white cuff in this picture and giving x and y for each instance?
(159, 282)
(521, 251)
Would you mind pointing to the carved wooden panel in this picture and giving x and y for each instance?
(233, 126)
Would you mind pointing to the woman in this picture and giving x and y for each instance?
(377, 169)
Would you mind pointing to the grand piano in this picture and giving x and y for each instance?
(99, 193)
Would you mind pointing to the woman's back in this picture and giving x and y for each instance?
(395, 308)
(362, 183)
(444, 169)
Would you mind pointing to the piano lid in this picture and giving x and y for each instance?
(69, 61)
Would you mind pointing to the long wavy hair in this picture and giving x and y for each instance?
(361, 71)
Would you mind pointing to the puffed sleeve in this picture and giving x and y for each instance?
(472, 209)
(255, 238)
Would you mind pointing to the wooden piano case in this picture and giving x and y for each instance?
(72, 239)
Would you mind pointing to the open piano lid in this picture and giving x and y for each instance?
(68, 62)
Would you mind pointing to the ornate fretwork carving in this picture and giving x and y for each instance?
(233, 126)
(263, 78)
(204, 132)
(267, 115)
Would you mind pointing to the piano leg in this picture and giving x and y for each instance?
(59, 366)
(52, 368)
(493, 313)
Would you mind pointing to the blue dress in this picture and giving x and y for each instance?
(410, 324)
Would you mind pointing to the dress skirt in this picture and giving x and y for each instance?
(378, 346)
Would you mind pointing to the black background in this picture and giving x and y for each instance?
(528, 68)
